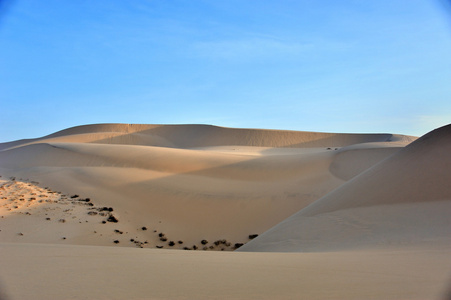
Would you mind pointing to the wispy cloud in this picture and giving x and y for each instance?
(250, 49)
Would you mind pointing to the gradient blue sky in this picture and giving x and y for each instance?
(333, 66)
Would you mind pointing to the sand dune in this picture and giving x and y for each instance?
(189, 136)
(216, 183)
(405, 199)
(83, 198)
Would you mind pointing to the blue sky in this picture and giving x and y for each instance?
(333, 66)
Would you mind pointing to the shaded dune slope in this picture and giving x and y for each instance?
(167, 160)
(352, 160)
(405, 199)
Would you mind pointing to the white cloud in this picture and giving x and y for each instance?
(249, 49)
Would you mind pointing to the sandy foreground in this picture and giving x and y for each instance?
(38, 271)
(107, 211)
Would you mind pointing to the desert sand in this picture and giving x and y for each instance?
(127, 211)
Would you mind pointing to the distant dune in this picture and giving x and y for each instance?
(189, 136)
(372, 209)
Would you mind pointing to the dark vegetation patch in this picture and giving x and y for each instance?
(238, 245)
(110, 209)
(112, 219)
